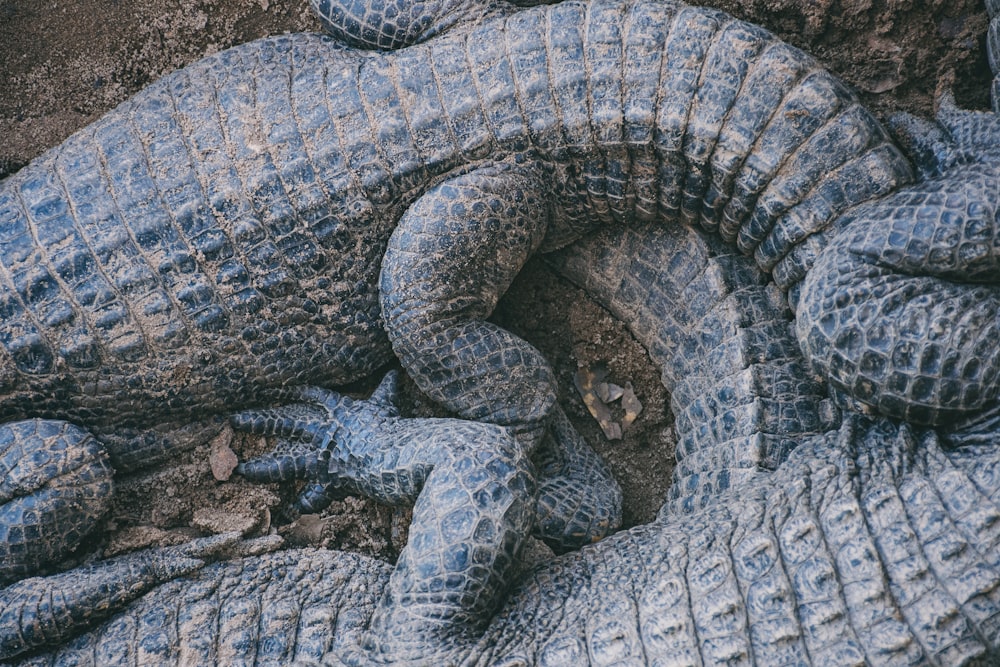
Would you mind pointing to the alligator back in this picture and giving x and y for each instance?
(222, 232)
(666, 112)
(189, 248)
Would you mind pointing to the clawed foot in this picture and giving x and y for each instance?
(956, 136)
(312, 434)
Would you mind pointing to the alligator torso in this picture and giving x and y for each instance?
(186, 252)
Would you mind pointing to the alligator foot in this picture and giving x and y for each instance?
(474, 492)
(902, 315)
(579, 502)
(451, 257)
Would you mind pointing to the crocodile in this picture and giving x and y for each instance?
(763, 148)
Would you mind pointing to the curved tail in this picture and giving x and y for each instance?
(722, 335)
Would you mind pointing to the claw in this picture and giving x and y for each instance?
(306, 431)
(317, 497)
(927, 143)
(386, 394)
(299, 421)
(290, 460)
(975, 132)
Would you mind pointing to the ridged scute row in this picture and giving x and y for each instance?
(684, 114)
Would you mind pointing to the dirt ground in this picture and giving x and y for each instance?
(63, 64)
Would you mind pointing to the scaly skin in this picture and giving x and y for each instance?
(722, 335)
(768, 156)
(871, 544)
(222, 233)
(249, 222)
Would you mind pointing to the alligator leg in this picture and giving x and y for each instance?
(474, 489)
(453, 254)
(902, 315)
(579, 501)
(55, 485)
(569, 511)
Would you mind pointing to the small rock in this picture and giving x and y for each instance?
(211, 520)
(222, 458)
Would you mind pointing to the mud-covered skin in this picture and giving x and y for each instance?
(222, 232)
(618, 153)
(55, 484)
(156, 271)
(215, 238)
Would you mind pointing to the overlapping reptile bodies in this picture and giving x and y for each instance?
(222, 232)
(735, 132)
(870, 544)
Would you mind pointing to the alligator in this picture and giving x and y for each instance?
(738, 133)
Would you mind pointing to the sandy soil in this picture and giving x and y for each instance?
(63, 64)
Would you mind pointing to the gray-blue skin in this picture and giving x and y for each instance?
(874, 542)
(825, 619)
(249, 222)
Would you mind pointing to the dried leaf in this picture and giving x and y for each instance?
(586, 379)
